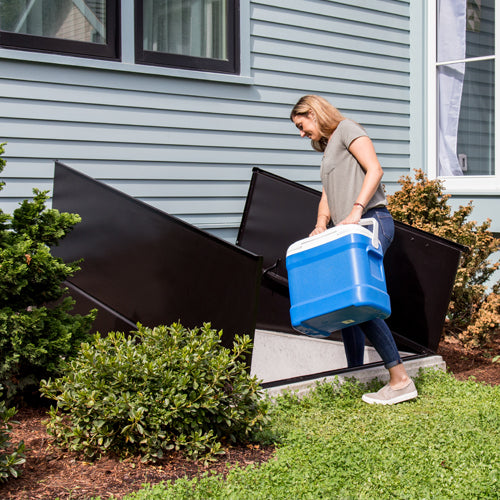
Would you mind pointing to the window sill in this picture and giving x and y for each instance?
(99, 64)
(472, 185)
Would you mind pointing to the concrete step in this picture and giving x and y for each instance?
(281, 356)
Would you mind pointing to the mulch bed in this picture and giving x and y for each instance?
(476, 363)
(50, 473)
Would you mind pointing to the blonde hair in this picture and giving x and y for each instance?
(326, 116)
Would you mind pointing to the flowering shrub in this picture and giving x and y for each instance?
(473, 314)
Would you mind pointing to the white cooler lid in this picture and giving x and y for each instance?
(327, 236)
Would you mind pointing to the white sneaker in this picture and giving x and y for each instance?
(389, 396)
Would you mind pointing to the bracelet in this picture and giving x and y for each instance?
(359, 205)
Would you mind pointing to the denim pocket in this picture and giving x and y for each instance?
(385, 226)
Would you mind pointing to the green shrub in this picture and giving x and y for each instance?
(36, 329)
(161, 389)
(473, 314)
(9, 458)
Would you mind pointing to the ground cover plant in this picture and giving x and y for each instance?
(37, 331)
(51, 472)
(157, 390)
(442, 445)
(474, 310)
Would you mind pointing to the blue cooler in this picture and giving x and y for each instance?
(336, 279)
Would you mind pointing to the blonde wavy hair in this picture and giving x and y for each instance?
(326, 116)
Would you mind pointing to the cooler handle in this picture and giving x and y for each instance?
(372, 222)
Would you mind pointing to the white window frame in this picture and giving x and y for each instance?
(467, 184)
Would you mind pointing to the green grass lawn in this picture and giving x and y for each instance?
(445, 444)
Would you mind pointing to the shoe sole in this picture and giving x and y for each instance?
(393, 401)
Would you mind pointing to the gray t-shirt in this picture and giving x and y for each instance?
(342, 175)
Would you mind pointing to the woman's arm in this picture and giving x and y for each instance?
(362, 149)
(323, 215)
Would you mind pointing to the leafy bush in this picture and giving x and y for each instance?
(473, 314)
(9, 458)
(35, 337)
(162, 389)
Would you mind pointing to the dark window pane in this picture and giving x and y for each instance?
(480, 28)
(476, 128)
(75, 27)
(79, 20)
(192, 34)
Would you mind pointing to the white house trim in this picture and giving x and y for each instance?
(466, 185)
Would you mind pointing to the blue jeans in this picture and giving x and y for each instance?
(376, 330)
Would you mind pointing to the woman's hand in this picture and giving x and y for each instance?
(354, 217)
(318, 230)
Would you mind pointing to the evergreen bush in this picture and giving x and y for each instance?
(37, 330)
(161, 389)
(10, 458)
(474, 311)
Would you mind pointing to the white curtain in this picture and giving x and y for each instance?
(451, 47)
(186, 27)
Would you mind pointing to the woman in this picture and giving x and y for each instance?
(351, 174)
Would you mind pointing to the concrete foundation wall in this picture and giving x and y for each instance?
(280, 356)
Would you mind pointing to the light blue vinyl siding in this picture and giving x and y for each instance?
(187, 146)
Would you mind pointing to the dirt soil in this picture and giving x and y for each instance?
(466, 363)
(50, 473)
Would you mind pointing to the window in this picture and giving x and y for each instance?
(194, 34)
(465, 50)
(199, 35)
(76, 27)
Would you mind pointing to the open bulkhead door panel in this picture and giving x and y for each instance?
(420, 268)
(143, 265)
